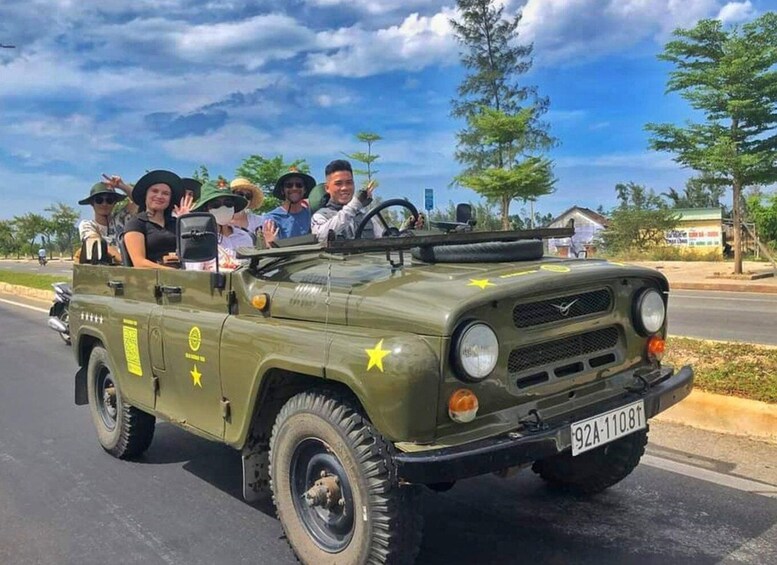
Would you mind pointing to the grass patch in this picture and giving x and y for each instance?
(31, 280)
(736, 369)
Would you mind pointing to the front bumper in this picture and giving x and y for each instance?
(520, 447)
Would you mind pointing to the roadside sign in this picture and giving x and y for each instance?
(429, 199)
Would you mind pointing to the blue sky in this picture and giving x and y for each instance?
(122, 87)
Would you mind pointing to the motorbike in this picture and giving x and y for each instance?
(59, 316)
(42, 260)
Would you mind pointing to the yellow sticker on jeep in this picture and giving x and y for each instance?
(131, 350)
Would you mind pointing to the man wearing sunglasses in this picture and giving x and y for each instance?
(292, 217)
(102, 198)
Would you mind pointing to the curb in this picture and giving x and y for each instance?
(725, 414)
(17, 290)
(730, 287)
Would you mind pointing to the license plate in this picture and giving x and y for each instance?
(604, 428)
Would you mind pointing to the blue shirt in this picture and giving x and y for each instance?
(290, 225)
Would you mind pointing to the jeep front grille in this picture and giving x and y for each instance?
(561, 308)
(564, 357)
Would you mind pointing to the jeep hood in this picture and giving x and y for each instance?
(428, 299)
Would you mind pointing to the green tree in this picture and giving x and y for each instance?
(9, 241)
(729, 76)
(201, 174)
(699, 192)
(28, 227)
(63, 222)
(762, 210)
(640, 221)
(264, 173)
(503, 119)
(368, 157)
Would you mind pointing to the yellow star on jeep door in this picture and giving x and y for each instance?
(196, 376)
(482, 283)
(376, 356)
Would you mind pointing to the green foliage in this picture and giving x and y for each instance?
(762, 210)
(699, 192)
(640, 221)
(503, 118)
(63, 222)
(488, 218)
(367, 158)
(10, 244)
(264, 173)
(28, 227)
(729, 76)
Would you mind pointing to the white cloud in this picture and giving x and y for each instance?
(572, 30)
(735, 12)
(419, 41)
(648, 160)
(380, 6)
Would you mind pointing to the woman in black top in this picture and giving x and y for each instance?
(150, 236)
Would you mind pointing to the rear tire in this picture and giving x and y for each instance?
(122, 430)
(361, 514)
(596, 470)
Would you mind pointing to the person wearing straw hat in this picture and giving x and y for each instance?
(223, 204)
(292, 217)
(102, 198)
(150, 236)
(247, 219)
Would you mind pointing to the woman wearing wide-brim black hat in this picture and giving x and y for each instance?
(150, 236)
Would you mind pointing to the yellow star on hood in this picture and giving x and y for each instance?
(196, 376)
(482, 283)
(376, 356)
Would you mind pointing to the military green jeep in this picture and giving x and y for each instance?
(351, 373)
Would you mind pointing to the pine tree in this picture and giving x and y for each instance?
(503, 118)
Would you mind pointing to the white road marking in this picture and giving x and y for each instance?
(738, 483)
(44, 310)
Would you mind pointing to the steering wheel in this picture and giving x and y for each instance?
(389, 231)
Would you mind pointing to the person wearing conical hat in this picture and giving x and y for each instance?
(247, 219)
(292, 217)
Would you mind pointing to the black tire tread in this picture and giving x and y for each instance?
(595, 471)
(397, 524)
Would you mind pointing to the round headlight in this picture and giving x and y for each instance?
(477, 350)
(651, 311)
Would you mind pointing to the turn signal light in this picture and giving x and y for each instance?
(655, 348)
(463, 406)
(260, 302)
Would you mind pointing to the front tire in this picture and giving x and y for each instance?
(334, 486)
(596, 470)
(122, 430)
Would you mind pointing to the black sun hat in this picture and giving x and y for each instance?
(307, 180)
(101, 188)
(193, 185)
(157, 177)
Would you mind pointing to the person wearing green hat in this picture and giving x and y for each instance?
(223, 204)
(102, 198)
(292, 217)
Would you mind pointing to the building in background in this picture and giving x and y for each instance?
(698, 229)
(587, 224)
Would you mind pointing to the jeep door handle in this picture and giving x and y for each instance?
(165, 289)
(115, 285)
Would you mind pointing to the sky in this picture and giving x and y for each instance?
(122, 87)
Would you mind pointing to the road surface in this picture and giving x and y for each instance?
(63, 500)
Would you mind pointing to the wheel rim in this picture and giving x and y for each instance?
(106, 398)
(322, 495)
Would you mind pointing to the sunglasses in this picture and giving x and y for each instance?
(220, 202)
(246, 195)
(105, 200)
(295, 184)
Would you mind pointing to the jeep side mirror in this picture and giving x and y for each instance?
(197, 237)
(464, 214)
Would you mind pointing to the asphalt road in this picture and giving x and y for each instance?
(728, 316)
(58, 268)
(63, 500)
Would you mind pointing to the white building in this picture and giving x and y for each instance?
(587, 224)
